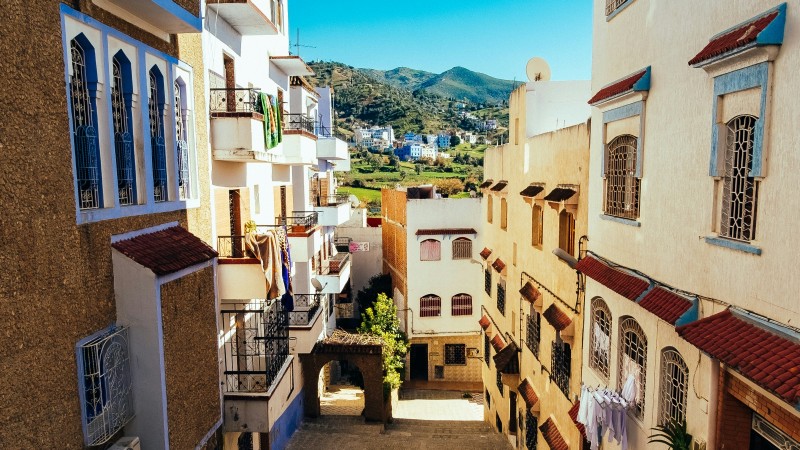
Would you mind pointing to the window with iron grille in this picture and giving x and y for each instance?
(534, 324)
(531, 430)
(501, 297)
(155, 107)
(84, 120)
(499, 382)
(613, 5)
(430, 250)
(455, 354)
(438, 372)
(600, 337)
(461, 305)
(430, 306)
(462, 248)
(487, 397)
(503, 214)
(487, 280)
(674, 379)
(537, 218)
(633, 359)
(622, 184)
(182, 141)
(739, 189)
(561, 360)
(489, 207)
(566, 232)
(121, 101)
(498, 423)
(486, 349)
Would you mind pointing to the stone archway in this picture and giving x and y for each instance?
(363, 351)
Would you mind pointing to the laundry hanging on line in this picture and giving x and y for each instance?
(604, 411)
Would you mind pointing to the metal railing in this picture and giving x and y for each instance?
(335, 264)
(560, 361)
(300, 122)
(332, 200)
(613, 5)
(256, 344)
(305, 310)
(501, 298)
(302, 219)
(342, 244)
(234, 100)
(231, 247)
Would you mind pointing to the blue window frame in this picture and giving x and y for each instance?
(83, 103)
(182, 140)
(155, 105)
(122, 117)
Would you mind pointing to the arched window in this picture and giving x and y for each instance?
(489, 208)
(430, 306)
(537, 217)
(633, 359)
(182, 140)
(600, 336)
(430, 250)
(622, 185)
(462, 248)
(82, 89)
(503, 214)
(155, 105)
(121, 100)
(461, 305)
(566, 232)
(739, 189)
(674, 382)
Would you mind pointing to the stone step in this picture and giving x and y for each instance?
(442, 424)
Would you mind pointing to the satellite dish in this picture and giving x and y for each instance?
(317, 285)
(538, 69)
(354, 201)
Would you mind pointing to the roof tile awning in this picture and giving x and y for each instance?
(557, 318)
(507, 359)
(573, 414)
(559, 195)
(530, 293)
(499, 265)
(444, 231)
(166, 251)
(665, 304)
(527, 393)
(552, 436)
(767, 358)
(291, 65)
(486, 184)
(485, 253)
(637, 81)
(531, 191)
(497, 343)
(485, 322)
(501, 185)
(766, 29)
(626, 285)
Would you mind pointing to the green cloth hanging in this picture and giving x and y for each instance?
(266, 107)
(279, 121)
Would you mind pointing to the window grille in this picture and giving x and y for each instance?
(462, 248)
(155, 108)
(182, 143)
(430, 250)
(461, 305)
(560, 362)
(487, 281)
(123, 138)
(674, 379)
(537, 218)
(739, 189)
(566, 229)
(534, 324)
(455, 354)
(438, 372)
(487, 397)
(489, 208)
(773, 434)
(633, 359)
(503, 214)
(613, 5)
(87, 156)
(499, 382)
(531, 430)
(622, 185)
(430, 306)
(106, 389)
(486, 350)
(600, 337)
(501, 297)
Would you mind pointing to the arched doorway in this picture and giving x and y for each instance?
(341, 387)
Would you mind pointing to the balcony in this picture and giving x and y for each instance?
(299, 140)
(166, 15)
(306, 309)
(333, 210)
(335, 273)
(330, 146)
(249, 17)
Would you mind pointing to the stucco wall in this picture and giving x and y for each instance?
(469, 372)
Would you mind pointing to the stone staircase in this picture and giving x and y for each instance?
(352, 433)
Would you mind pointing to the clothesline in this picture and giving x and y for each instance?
(605, 410)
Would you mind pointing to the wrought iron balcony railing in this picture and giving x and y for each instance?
(342, 244)
(231, 247)
(335, 264)
(331, 200)
(560, 361)
(306, 307)
(256, 344)
(299, 220)
(234, 100)
(299, 122)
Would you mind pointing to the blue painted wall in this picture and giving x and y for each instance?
(287, 423)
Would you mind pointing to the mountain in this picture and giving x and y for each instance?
(401, 77)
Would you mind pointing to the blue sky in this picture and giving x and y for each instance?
(496, 37)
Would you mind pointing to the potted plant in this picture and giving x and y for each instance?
(673, 434)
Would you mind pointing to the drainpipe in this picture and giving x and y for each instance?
(713, 403)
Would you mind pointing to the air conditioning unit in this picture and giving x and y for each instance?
(127, 443)
(698, 444)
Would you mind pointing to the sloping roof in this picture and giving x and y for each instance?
(770, 360)
(573, 414)
(485, 253)
(437, 231)
(527, 393)
(531, 191)
(559, 194)
(620, 282)
(500, 186)
(552, 436)
(557, 318)
(497, 343)
(499, 265)
(637, 81)
(507, 359)
(530, 293)
(486, 184)
(484, 322)
(665, 304)
(766, 29)
(166, 251)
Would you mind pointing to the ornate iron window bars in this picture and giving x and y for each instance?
(633, 345)
(182, 144)
(123, 139)
(622, 185)
(87, 157)
(739, 189)
(487, 280)
(486, 350)
(600, 336)
(560, 363)
(159, 152)
(534, 324)
(674, 384)
(501, 297)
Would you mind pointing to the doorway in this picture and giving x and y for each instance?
(419, 362)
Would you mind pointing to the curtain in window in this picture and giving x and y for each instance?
(430, 250)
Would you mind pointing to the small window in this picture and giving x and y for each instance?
(487, 397)
(84, 123)
(121, 114)
(438, 372)
(499, 382)
(503, 214)
(501, 296)
(531, 430)
(155, 105)
(430, 250)
(489, 208)
(566, 232)
(537, 218)
(430, 306)
(534, 324)
(182, 141)
(498, 423)
(674, 382)
(739, 189)
(487, 281)
(560, 363)
(614, 5)
(461, 305)
(633, 359)
(455, 354)
(486, 349)
(622, 185)
(462, 248)
(600, 337)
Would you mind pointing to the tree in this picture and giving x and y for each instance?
(376, 161)
(381, 320)
(454, 140)
(449, 186)
(418, 169)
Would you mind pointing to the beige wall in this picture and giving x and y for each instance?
(467, 373)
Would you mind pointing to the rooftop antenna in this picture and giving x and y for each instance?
(297, 44)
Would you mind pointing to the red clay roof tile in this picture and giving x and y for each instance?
(618, 87)
(552, 436)
(557, 318)
(166, 251)
(500, 186)
(532, 190)
(620, 282)
(497, 343)
(735, 39)
(436, 231)
(498, 265)
(485, 253)
(768, 359)
(486, 184)
(485, 322)
(665, 304)
(528, 394)
(573, 414)
(530, 293)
